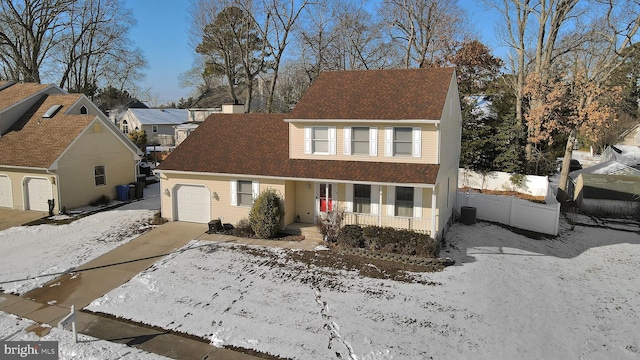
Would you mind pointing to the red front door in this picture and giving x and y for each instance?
(325, 198)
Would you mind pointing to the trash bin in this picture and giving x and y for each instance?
(123, 192)
(215, 226)
(139, 186)
(142, 179)
(468, 215)
(132, 191)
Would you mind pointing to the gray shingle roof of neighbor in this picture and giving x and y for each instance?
(161, 116)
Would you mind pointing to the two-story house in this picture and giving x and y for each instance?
(58, 148)
(383, 145)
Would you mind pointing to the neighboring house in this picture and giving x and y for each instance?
(631, 136)
(197, 116)
(624, 154)
(157, 123)
(383, 145)
(58, 148)
(184, 130)
(611, 167)
(608, 195)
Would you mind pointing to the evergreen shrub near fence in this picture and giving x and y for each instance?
(387, 239)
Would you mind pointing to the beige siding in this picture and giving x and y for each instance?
(17, 185)
(289, 202)
(220, 188)
(96, 146)
(429, 144)
(305, 201)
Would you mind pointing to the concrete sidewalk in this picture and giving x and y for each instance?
(49, 304)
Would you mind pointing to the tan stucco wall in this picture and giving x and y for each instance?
(96, 146)
(17, 178)
(429, 143)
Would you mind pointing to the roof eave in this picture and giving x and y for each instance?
(346, 181)
(378, 121)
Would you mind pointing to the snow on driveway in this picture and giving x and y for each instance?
(33, 255)
(13, 328)
(507, 297)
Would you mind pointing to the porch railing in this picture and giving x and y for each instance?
(421, 225)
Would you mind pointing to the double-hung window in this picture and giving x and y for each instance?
(362, 198)
(245, 193)
(154, 129)
(125, 127)
(402, 141)
(99, 175)
(360, 140)
(320, 140)
(404, 201)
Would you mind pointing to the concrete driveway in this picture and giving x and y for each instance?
(10, 218)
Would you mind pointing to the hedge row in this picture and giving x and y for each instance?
(386, 239)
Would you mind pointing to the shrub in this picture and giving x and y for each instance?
(102, 200)
(405, 242)
(351, 236)
(329, 226)
(266, 214)
(242, 229)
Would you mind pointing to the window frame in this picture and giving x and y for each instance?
(406, 204)
(315, 140)
(125, 127)
(396, 141)
(240, 193)
(367, 140)
(154, 129)
(361, 200)
(96, 175)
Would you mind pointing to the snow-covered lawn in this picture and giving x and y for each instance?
(32, 255)
(507, 297)
(13, 328)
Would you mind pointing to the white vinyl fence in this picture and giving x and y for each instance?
(522, 214)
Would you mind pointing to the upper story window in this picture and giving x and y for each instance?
(125, 127)
(320, 140)
(403, 141)
(83, 110)
(154, 129)
(99, 175)
(360, 141)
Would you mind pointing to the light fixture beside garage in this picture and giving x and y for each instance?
(167, 192)
(215, 196)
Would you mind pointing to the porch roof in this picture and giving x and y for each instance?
(257, 144)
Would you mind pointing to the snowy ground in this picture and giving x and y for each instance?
(13, 328)
(33, 255)
(508, 297)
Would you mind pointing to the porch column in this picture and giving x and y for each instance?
(380, 206)
(433, 212)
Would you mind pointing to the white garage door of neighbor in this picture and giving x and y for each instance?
(38, 192)
(193, 203)
(6, 197)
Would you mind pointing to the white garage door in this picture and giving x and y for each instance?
(6, 197)
(38, 192)
(192, 203)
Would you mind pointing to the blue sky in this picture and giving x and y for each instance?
(162, 34)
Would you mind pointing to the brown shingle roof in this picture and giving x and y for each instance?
(36, 142)
(376, 94)
(17, 92)
(258, 144)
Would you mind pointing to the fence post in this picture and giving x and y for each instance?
(511, 211)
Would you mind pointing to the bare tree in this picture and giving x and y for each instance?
(29, 30)
(428, 29)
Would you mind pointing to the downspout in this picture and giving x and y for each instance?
(57, 183)
(434, 197)
(380, 206)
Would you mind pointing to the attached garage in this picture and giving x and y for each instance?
(37, 193)
(6, 197)
(192, 203)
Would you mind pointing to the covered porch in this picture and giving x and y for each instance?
(398, 206)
